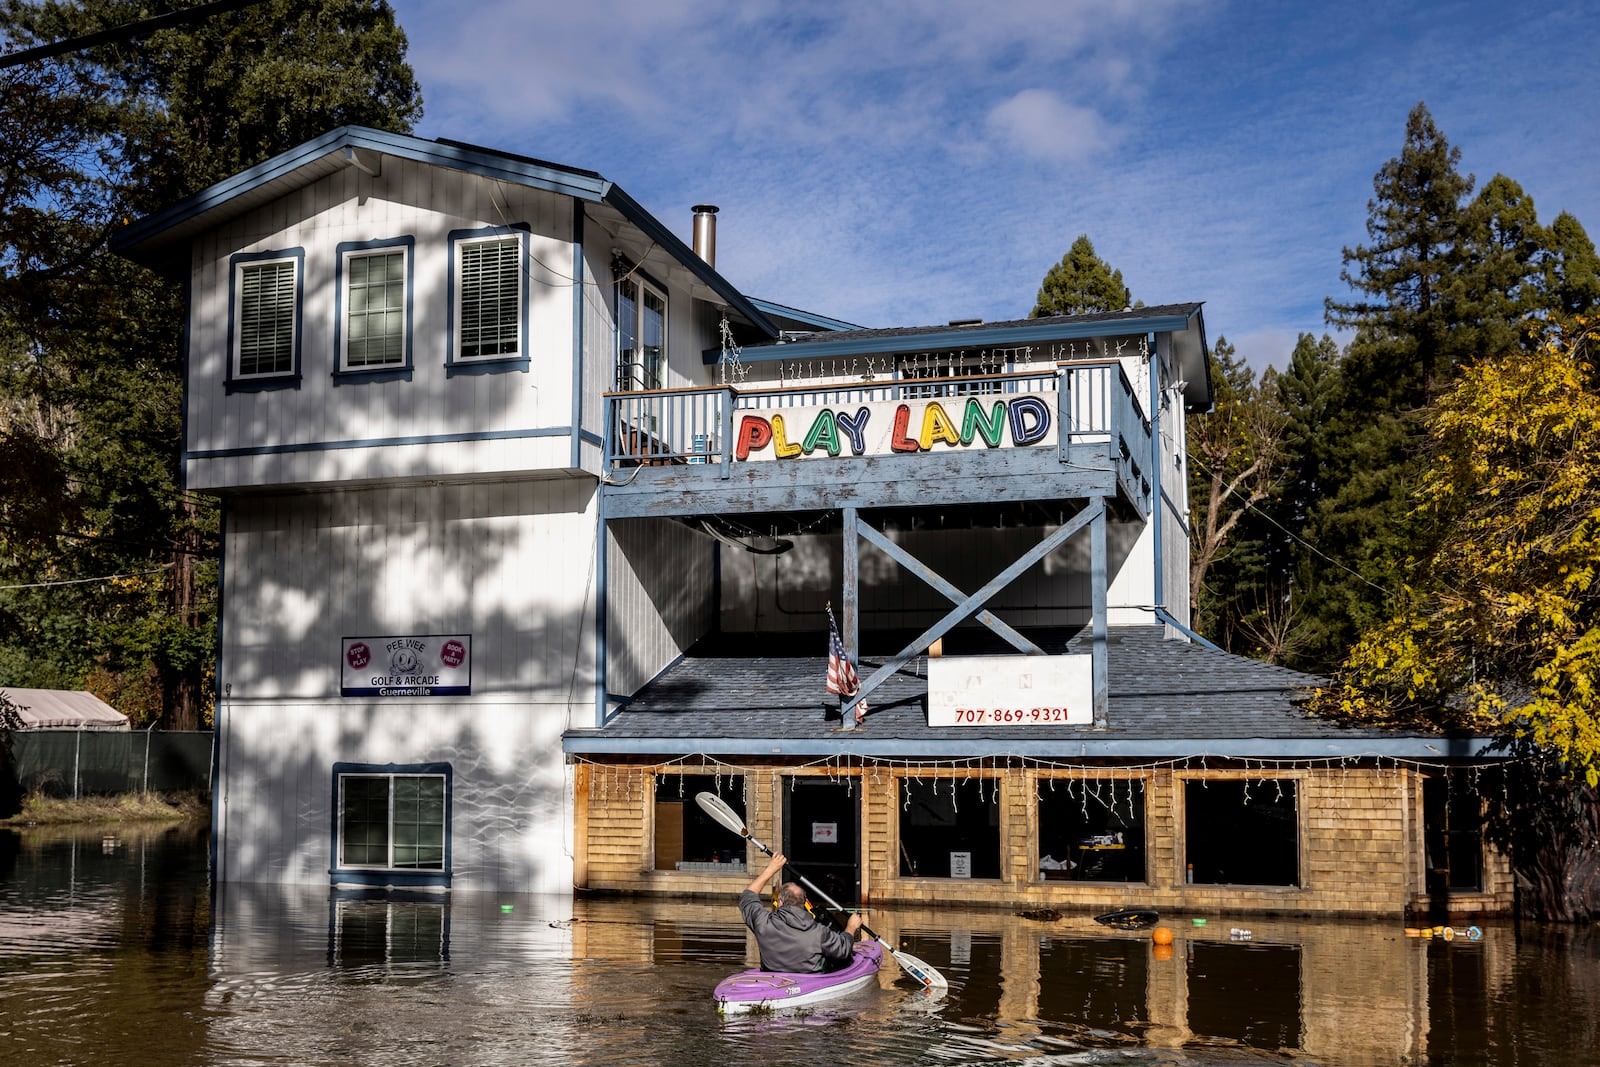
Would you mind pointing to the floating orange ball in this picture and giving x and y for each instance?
(1161, 935)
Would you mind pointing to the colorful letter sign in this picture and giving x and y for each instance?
(887, 427)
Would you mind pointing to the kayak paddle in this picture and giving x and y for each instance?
(922, 972)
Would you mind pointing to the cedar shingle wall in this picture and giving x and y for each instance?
(1359, 844)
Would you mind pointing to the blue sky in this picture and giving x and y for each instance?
(914, 162)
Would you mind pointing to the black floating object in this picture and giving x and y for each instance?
(1130, 918)
(1044, 915)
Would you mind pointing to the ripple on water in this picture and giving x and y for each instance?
(301, 976)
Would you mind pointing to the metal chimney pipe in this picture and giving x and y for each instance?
(705, 233)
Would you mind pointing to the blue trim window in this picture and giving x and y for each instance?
(264, 312)
(641, 332)
(372, 315)
(488, 300)
(392, 824)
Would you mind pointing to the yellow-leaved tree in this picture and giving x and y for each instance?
(1496, 628)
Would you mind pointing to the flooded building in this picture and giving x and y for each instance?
(535, 527)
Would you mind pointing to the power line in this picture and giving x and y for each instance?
(1245, 503)
(83, 581)
(126, 32)
(144, 546)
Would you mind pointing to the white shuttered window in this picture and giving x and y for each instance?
(266, 310)
(490, 299)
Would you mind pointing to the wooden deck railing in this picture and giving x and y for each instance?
(1094, 402)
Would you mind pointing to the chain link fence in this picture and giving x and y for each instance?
(75, 763)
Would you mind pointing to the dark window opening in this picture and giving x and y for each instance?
(1091, 832)
(1242, 832)
(821, 834)
(1452, 830)
(687, 839)
(949, 829)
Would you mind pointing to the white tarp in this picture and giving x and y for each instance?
(64, 709)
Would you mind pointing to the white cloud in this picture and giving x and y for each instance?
(1039, 123)
(908, 163)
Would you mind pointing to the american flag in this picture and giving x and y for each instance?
(842, 677)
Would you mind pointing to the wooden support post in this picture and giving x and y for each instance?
(1063, 413)
(850, 546)
(1097, 583)
(580, 826)
(602, 544)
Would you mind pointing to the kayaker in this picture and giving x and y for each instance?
(789, 936)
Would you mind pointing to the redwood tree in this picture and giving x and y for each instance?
(113, 565)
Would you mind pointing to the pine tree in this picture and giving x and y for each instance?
(1414, 223)
(1501, 289)
(1572, 269)
(1448, 281)
(1082, 283)
(90, 344)
(1274, 624)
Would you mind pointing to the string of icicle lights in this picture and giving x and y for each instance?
(958, 362)
(630, 781)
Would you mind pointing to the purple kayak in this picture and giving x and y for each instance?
(773, 990)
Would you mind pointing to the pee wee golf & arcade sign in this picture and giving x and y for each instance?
(419, 665)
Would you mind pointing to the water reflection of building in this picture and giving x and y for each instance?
(382, 930)
(531, 513)
(1353, 993)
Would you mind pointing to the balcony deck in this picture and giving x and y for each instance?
(1070, 433)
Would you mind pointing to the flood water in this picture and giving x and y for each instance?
(113, 949)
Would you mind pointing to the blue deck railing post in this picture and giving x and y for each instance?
(1063, 412)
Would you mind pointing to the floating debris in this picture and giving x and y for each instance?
(1130, 918)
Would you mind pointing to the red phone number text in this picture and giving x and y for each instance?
(965, 716)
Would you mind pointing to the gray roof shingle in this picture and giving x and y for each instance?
(1166, 697)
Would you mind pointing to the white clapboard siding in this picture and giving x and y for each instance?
(659, 598)
(510, 563)
(599, 345)
(506, 562)
(275, 800)
(349, 206)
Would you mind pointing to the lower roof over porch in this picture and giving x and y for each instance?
(1168, 698)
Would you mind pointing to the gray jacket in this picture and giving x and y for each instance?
(791, 939)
